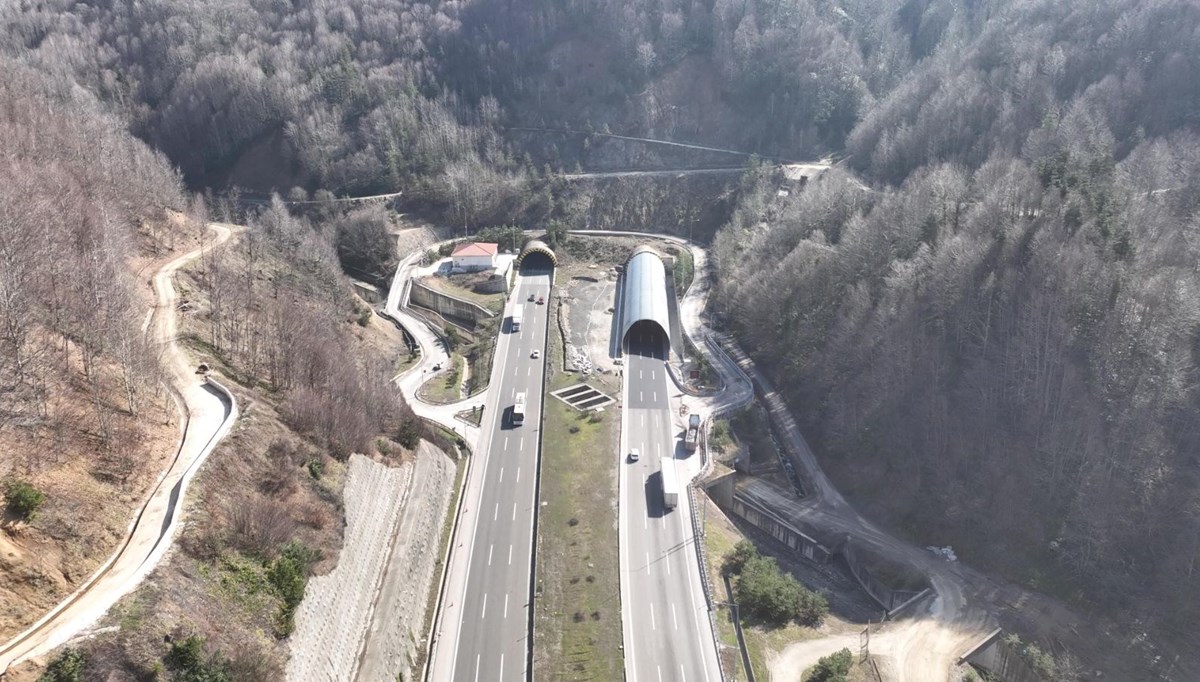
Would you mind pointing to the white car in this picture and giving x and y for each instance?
(634, 455)
(535, 354)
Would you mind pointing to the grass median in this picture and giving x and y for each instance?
(577, 629)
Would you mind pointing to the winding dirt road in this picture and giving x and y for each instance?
(208, 411)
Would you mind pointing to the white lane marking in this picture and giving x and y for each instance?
(652, 626)
(640, 374)
(682, 675)
(506, 608)
(641, 395)
(490, 548)
(496, 512)
(514, 518)
(502, 667)
(529, 372)
(505, 448)
(653, 375)
(655, 394)
(483, 614)
(643, 419)
(476, 667)
(501, 474)
(647, 562)
(519, 468)
(510, 546)
(667, 563)
(522, 450)
(673, 618)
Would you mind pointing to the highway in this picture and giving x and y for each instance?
(666, 629)
(490, 617)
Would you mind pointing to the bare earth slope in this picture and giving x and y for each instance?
(210, 413)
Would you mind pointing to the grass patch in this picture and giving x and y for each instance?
(457, 286)
(445, 387)
(578, 616)
(471, 416)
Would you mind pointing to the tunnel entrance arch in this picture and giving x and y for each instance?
(536, 256)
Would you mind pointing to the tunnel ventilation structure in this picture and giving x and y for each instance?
(645, 313)
(538, 254)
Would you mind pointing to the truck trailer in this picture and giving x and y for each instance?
(515, 320)
(670, 484)
(518, 411)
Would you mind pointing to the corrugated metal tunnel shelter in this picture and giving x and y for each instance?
(644, 309)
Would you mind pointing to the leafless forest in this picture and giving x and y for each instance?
(999, 349)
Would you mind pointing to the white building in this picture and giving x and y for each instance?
(474, 256)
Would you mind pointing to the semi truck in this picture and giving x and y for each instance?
(515, 320)
(518, 412)
(670, 484)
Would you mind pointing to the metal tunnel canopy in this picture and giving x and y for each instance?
(537, 246)
(645, 292)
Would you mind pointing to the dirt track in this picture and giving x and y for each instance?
(209, 414)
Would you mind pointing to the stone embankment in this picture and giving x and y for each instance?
(363, 620)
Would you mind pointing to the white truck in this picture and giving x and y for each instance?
(515, 320)
(670, 484)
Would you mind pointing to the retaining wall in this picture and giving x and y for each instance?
(1001, 660)
(448, 306)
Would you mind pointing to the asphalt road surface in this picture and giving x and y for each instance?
(493, 615)
(666, 629)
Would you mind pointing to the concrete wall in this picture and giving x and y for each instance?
(764, 520)
(809, 548)
(1002, 661)
(455, 309)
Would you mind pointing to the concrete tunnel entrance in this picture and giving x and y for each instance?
(536, 258)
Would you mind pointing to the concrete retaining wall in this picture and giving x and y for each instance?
(364, 619)
(1002, 661)
(766, 521)
(804, 545)
(448, 306)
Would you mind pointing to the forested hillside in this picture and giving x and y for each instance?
(995, 347)
(999, 350)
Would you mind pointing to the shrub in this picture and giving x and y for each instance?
(776, 597)
(260, 526)
(22, 499)
(315, 468)
(66, 667)
(742, 552)
(187, 663)
(288, 576)
(832, 668)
